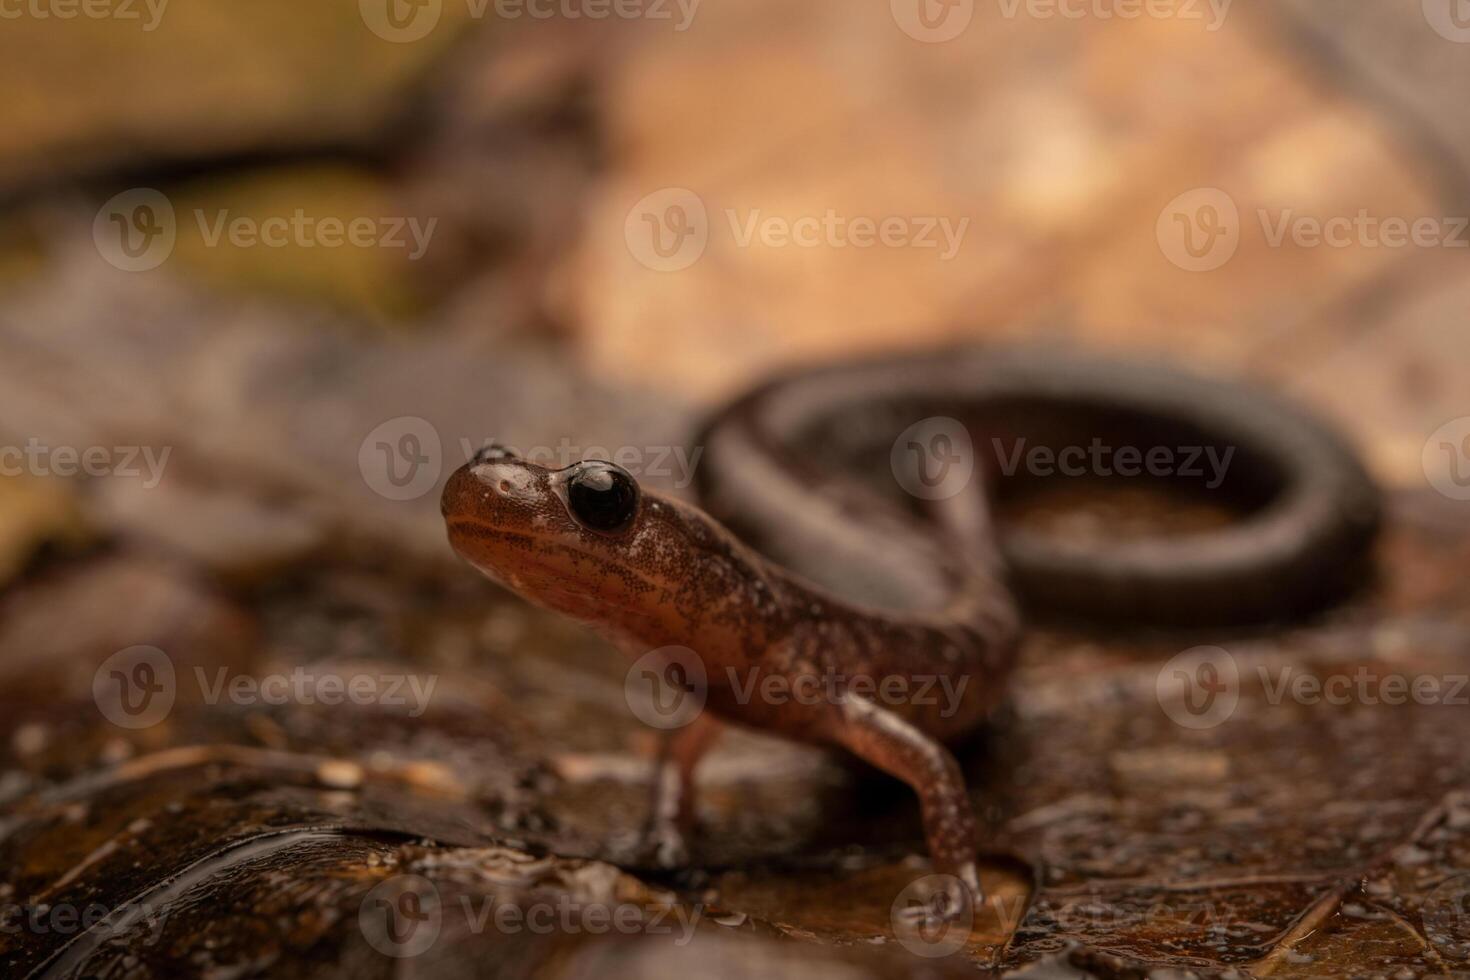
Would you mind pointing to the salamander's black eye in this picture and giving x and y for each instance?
(603, 497)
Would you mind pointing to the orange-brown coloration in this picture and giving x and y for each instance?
(909, 603)
(674, 576)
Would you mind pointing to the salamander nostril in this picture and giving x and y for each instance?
(492, 453)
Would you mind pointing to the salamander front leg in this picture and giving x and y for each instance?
(671, 821)
(885, 740)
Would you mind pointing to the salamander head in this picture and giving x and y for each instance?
(588, 542)
(540, 531)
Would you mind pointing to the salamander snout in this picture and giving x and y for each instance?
(503, 492)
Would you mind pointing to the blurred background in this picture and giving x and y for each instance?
(270, 271)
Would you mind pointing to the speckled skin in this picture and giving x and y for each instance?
(919, 602)
(675, 577)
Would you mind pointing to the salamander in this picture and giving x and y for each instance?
(845, 541)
